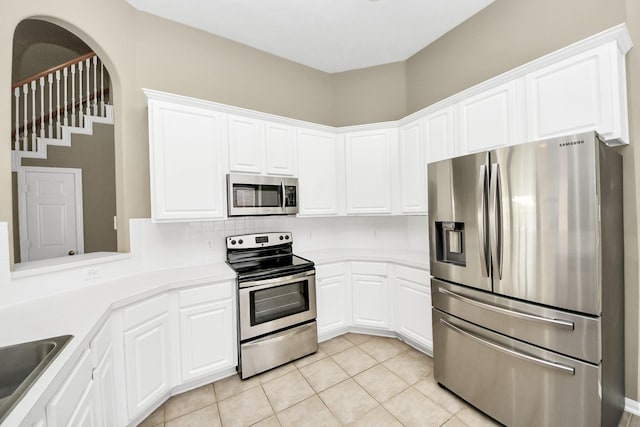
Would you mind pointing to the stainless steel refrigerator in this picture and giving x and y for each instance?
(526, 254)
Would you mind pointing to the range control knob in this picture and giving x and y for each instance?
(233, 242)
(240, 241)
(286, 237)
(281, 237)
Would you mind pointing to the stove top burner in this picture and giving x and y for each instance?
(264, 256)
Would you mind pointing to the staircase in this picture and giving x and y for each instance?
(53, 105)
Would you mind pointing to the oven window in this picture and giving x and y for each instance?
(280, 301)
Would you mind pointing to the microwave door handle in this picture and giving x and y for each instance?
(284, 198)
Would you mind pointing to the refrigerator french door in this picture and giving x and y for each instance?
(526, 259)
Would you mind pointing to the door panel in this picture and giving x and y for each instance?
(456, 199)
(548, 202)
(51, 221)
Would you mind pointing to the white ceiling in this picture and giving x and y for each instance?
(329, 35)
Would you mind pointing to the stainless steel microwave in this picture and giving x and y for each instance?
(261, 195)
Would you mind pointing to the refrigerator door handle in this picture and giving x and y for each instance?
(482, 219)
(556, 322)
(553, 365)
(495, 220)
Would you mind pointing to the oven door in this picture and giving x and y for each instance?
(269, 305)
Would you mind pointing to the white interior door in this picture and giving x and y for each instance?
(50, 212)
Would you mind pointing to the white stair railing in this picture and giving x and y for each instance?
(42, 109)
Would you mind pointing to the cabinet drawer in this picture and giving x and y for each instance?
(370, 268)
(143, 311)
(412, 274)
(205, 294)
(329, 270)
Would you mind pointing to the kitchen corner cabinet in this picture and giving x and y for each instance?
(413, 170)
(582, 93)
(148, 352)
(333, 298)
(369, 167)
(207, 330)
(413, 305)
(185, 162)
(371, 300)
(318, 172)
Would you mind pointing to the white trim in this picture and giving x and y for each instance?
(632, 406)
(22, 205)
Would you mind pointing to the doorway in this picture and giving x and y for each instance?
(50, 212)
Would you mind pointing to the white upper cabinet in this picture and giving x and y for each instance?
(370, 162)
(261, 147)
(489, 119)
(582, 93)
(185, 162)
(318, 172)
(246, 144)
(413, 177)
(281, 149)
(439, 136)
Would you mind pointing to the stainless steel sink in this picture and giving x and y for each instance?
(21, 365)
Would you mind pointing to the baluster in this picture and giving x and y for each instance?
(65, 72)
(16, 144)
(88, 87)
(73, 95)
(50, 119)
(102, 89)
(58, 104)
(95, 86)
(80, 115)
(41, 107)
(33, 116)
(25, 132)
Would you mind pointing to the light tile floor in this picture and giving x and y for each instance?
(353, 379)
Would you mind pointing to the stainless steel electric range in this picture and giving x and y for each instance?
(276, 301)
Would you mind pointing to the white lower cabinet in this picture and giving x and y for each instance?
(148, 353)
(207, 330)
(333, 298)
(413, 305)
(371, 301)
(74, 404)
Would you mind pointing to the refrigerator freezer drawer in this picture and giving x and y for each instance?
(560, 331)
(515, 383)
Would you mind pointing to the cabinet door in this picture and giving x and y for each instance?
(370, 301)
(579, 94)
(104, 378)
(413, 177)
(281, 153)
(318, 172)
(185, 155)
(246, 144)
(72, 394)
(368, 172)
(207, 339)
(86, 413)
(413, 305)
(439, 135)
(147, 353)
(332, 298)
(489, 119)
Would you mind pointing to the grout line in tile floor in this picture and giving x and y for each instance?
(353, 379)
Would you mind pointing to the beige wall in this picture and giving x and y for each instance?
(143, 51)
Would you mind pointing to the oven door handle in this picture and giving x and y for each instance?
(260, 284)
